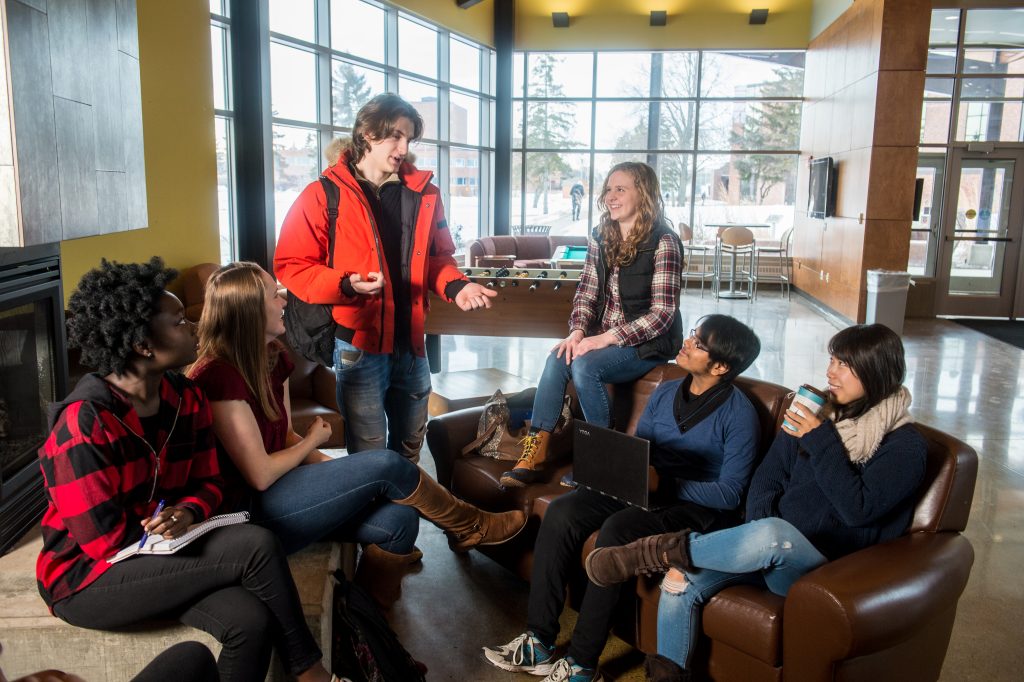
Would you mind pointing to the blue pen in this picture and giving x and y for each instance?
(145, 536)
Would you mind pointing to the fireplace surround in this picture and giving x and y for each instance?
(33, 374)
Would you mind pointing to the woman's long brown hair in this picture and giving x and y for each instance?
(619, 251)
(233, 326)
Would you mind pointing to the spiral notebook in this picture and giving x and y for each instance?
(158, 544)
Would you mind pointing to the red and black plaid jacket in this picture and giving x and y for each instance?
(102, 477)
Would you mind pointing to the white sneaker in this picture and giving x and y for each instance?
(524, 654)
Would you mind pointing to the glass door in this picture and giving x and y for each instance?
(981, 234)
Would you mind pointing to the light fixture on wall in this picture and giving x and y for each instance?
(758, 17)
(560, 19)
(659, 17)
(466, 4)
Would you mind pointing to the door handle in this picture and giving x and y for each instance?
(978, 239)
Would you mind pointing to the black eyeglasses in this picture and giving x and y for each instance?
(697, 343)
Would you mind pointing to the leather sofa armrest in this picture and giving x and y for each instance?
(447, 435)
(872, 600)
(325, 385)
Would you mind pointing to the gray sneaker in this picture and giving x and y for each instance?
(524, 654)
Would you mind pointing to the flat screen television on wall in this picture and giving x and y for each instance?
(821, 200)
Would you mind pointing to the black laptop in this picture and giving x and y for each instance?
(611, 463)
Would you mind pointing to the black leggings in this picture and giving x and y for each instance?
(234, 583)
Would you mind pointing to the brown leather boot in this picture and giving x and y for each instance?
(465, 525)
(528, 469)
(661, 669)
(652, 554)
(380, 573)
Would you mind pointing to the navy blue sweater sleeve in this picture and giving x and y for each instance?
(863, 494)
(771, 478)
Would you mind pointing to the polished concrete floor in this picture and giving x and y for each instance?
(963, 382)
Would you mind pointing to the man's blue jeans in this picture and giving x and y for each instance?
(348, 498)
(589, 374)
(383, 399)
(768, 551)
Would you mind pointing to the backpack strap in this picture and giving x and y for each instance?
(333, 198)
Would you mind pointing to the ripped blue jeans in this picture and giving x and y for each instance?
(383, 398)
(768, 552)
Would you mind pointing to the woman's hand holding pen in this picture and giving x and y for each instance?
(170, 523)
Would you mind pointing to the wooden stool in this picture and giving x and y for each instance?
(469, 388)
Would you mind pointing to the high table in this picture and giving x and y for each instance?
(719, 229)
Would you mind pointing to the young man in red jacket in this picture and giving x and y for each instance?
(392, 247)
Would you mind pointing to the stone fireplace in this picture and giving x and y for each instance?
(33, 374)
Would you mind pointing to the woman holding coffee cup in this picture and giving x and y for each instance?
(831, 484)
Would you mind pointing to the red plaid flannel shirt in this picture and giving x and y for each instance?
(664, 298)
(102, 477)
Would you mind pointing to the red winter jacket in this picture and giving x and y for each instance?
(102, 476)
(301, 255)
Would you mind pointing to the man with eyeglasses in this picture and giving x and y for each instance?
(704, 443)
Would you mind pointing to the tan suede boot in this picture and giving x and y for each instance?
(528, 469)
(380, 573)
(465, 525)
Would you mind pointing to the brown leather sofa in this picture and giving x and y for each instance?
(522, 251)
(311, 386)
(884, 613)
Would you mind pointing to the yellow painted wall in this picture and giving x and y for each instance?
(181, 166)
(477, 22)
(624, 24)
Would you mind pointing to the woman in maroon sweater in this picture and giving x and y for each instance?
(129, 436)
(374, 496)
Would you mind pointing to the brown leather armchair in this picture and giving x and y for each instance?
(311, 386)
(884, 613)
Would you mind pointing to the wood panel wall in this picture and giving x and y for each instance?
(863, 91)
(77, 113)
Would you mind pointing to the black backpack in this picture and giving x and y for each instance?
(364, 648)
(310, 327)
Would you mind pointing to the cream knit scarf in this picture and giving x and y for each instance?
(862, 435)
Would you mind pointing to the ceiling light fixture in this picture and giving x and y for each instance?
(758, 17)
(560, 19)
(659, 17)
(466, 4)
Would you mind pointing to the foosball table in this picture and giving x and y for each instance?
(531, 302)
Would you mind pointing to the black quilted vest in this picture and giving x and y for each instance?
(635, 292)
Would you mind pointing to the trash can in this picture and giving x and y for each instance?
(887, 298)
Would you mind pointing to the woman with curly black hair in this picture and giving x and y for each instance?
(129, 437)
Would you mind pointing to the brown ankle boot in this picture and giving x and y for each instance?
(652, 554)
(531, 462)
(661, 669)
(380, 573)
(465, 525)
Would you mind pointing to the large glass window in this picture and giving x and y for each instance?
(721, 128)
(371, 47)
(974, 92)
(223, 125)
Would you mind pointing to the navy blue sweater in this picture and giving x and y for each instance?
(710, 463)
(839, 506)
